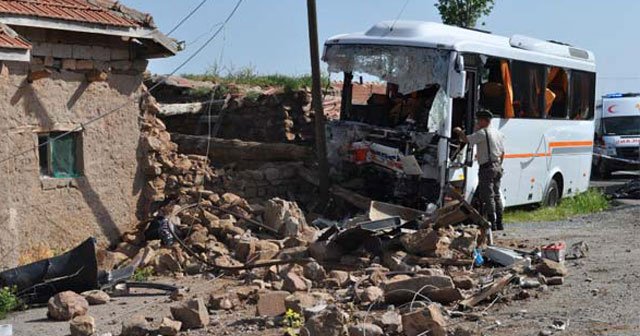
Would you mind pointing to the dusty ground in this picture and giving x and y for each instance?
(599, 297)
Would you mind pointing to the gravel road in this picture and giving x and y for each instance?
(601, 295)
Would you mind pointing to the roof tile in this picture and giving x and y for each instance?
(68, 10)
(10, 40)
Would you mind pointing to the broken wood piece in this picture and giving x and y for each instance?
(224, 150)
(495, 288)
(167, 110)
(432, 261)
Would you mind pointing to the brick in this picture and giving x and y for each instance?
(272, 303)
(48, 61)
(69, 64)
(84, 65)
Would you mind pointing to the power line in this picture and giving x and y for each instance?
(92, 120)
(193, 11)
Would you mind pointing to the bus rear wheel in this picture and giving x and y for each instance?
(552, 197)
(603, 170)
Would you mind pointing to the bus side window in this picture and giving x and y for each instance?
(528, 89)
(492, 88)
(557, 93)
(582, 95)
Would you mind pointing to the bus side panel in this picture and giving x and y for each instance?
(538, 148)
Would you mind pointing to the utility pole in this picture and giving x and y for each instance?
(316, 93)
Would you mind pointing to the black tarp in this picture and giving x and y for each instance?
(76, 270)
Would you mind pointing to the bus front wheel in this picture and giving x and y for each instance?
(552, 197)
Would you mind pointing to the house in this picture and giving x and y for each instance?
(71, 75)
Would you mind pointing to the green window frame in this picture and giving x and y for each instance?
(60, 154)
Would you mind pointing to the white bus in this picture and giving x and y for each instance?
(396, 144)
(617, 137)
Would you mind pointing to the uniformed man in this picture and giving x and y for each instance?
(490, 154)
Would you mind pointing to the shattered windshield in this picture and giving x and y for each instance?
(404, 85)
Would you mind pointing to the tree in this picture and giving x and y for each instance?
(463, 13)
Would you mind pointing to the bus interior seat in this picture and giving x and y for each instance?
(493, 97)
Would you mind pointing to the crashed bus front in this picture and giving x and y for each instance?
(392, 145)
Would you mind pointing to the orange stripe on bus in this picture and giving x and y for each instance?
(571, 144)
(551, 145)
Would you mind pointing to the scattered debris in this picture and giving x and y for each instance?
(428, 320)
(66, 305)
(193, 314)
(578, 250)
(96, 297)
(555, 251)
(83, 325)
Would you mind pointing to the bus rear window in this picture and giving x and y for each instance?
(582, 95)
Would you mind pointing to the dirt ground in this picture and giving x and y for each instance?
(600, 296)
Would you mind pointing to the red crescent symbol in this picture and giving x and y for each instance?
(610, 109)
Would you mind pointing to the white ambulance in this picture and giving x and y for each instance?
(617, 134)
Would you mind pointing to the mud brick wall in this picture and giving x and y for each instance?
(58, 213)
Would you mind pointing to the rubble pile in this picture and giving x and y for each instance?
(391, 271)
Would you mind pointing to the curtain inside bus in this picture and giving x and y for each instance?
(506, 81)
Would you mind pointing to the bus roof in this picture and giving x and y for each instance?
(440, 36)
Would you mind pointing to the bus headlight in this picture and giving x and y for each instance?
(611, 151)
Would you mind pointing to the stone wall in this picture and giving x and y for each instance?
(59, 213)
(270, 180)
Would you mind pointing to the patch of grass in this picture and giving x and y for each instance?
(8, 301)
(142, 274)
(591, 201)
(249, 76)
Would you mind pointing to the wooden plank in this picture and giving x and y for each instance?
(432, 261)
(495, 288)
(167, 110)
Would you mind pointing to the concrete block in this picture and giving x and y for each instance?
(140, 65)
(41, 49)
(61, 51)
(120, 54)
(82, 52)
(100, 53)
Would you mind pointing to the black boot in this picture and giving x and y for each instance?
(499, 224)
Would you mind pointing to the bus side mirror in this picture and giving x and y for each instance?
(457, 78)
(457, 81)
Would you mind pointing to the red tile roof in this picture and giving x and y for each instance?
(69, 10)
(10, 40)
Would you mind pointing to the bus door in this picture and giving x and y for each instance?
(468, 123)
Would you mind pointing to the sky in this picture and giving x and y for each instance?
(271, 36)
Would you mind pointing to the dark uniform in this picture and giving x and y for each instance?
(490, 153)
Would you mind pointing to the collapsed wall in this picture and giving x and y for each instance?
(249, 113)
